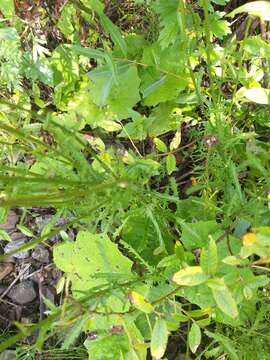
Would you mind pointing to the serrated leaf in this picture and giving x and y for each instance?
(170, 163)
(194, 337)
(160, 145)
(255, 8)
(209, 258)
(140, 303)
(223, 297)
(159, 339)
(190, 276)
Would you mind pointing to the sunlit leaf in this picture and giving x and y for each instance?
(223, 297)
(159, 339)
(194, 337)
(170, 163)
(190, 276)
(255, 8)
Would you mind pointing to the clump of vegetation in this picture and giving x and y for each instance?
(146, 125)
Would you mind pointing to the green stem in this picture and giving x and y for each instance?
(208, 50)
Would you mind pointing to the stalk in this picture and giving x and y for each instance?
(208, 49)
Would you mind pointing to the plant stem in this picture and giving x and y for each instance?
(208, 49)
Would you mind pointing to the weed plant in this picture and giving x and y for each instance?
(152, 140)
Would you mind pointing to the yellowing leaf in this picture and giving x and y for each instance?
(140, 303)
(257, 95)
(194, 337)
(249, 239)
(256, 8)
(159, 339)
(190, 276)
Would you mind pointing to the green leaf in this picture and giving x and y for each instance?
(7, 8)
(255, 8)
(160, 145)
(194, 337)
(220, 28)
(257, 95)
(220, 2)
(209, 258)
(223, 297)
(113, 30)
(159, 339)
(25, 230)
(151, 87)
(88, 52)
(8, 33)
(190, 276)
(170, 163)
(88, 257)
(169, 28)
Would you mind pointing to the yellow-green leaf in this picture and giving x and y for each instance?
(256, 8)
(170, 163)
(159, 339)
(190, 276)
(194, 337)
(257, 95)
(140, 303)
(160, 145)
(223, 297)
(209, 258)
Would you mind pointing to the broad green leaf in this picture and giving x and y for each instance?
(257, 95)
(223, 297)
(140, 303)
(190, 276)
(170, 163)
(209, 258)
(113, 30)
(151, 87)
(88, 257)
(194, 337)
(159, 339)
(255, 8)
(160, 145)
